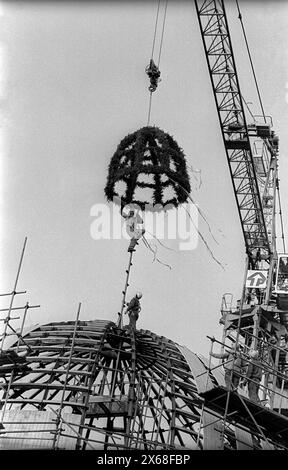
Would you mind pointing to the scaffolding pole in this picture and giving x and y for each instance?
(59, 415)
(13, 293)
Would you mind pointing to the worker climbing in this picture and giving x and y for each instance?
(134, 227)
(133, 310)
(153, 73)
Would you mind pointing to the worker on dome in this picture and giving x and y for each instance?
(254, 376)
(234, 366)
(14, 361)
(133, 310)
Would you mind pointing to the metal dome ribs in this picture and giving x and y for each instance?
(122, 389)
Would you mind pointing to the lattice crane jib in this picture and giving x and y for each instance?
(252, 167)
(252, 153)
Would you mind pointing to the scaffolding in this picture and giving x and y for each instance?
(94, 385)
(12, 361)
(266, 418)
(100, 385)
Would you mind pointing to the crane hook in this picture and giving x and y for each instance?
(153, 73)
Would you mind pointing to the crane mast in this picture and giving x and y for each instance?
(252, 154)
(253, 173)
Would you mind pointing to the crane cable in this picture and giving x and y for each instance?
(249, 110)
(250, 59)
(152, 54)
(155, 29)
(162, 33)
(160, 48)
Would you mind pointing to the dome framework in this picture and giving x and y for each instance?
(92, 385)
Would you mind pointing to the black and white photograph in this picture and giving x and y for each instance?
(143, 227)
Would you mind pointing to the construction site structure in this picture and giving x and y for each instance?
(92, 385)
(258, 321)
(100, 385)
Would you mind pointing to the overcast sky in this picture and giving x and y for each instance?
(73, 84)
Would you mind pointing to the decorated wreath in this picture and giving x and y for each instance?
(148, 168)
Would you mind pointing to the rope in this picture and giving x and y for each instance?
(250, 59)
(154, 252)
(199, 233)
(162, 244)
(198, 209)
(192, 171)
(204, 241)
(171, 249)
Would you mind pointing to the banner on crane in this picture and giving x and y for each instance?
(281, 286)
(256, 279)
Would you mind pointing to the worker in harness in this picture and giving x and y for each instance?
(134, 227)
(133, 310)
(153, 73)
(234, 366)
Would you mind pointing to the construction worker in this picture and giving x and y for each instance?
(12, 361)
(234, 366)
(11, 357)
(134, 227)
(254, 376)
(133, 310)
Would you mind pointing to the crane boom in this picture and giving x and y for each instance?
(260, 319)
(235, 131)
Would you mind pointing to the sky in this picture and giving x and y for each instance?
(72, 85)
